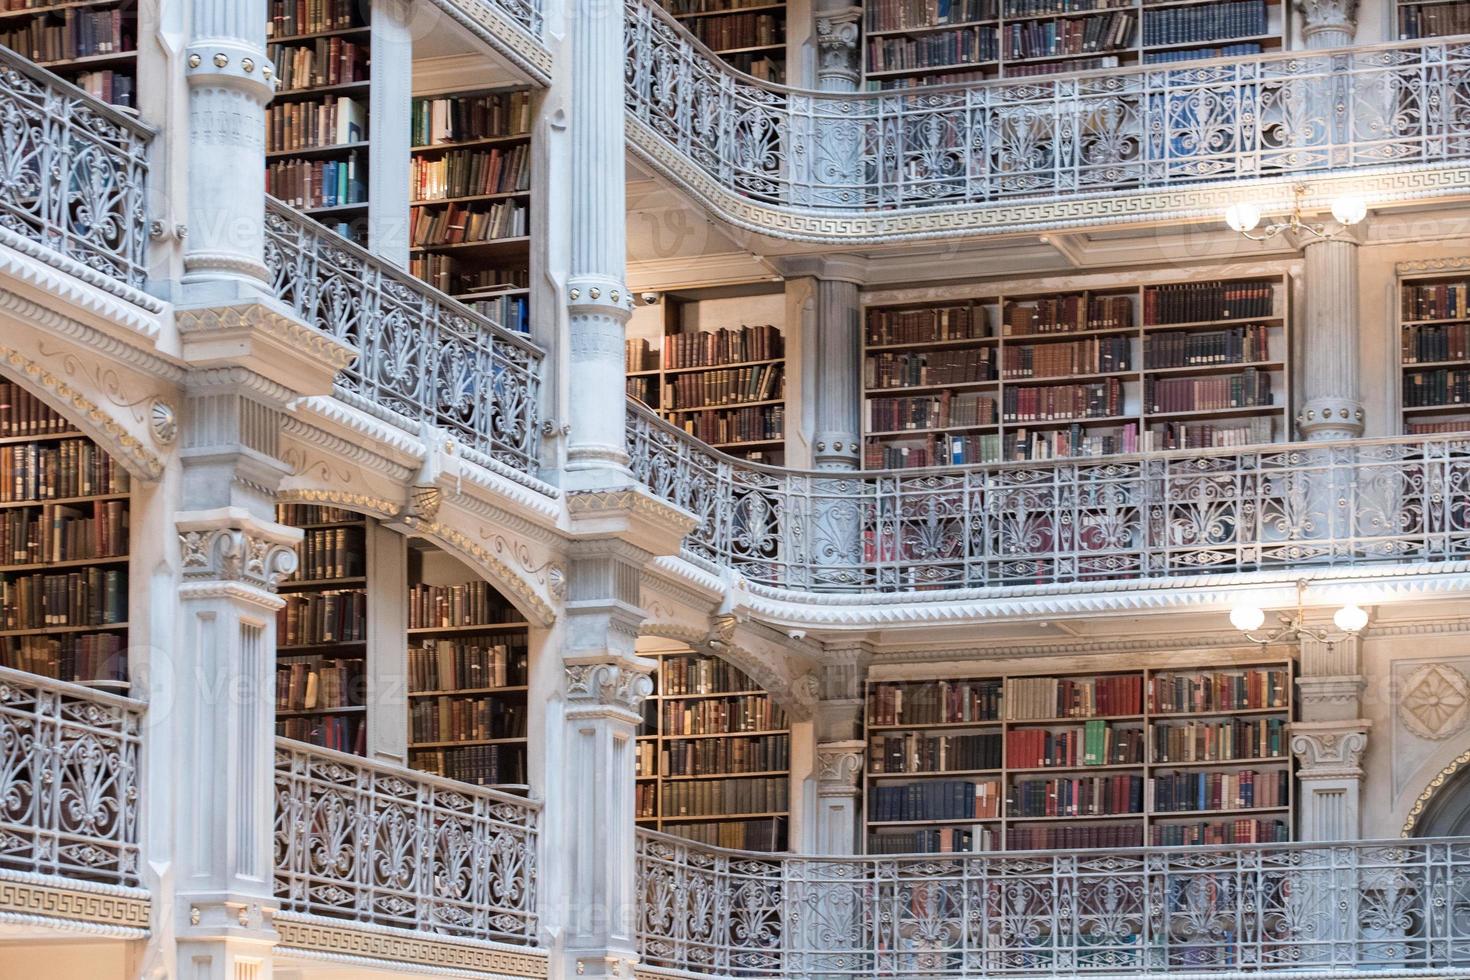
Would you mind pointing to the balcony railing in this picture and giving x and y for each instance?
(73, 171)
(68, 780)
(1340, 504)
(422, 356)
(1283, 114)
(373, 843)
(1393, 908)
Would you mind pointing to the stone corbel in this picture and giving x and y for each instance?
(1330, 749)
(230, 546)
(266, 338)
(618, 685)
(839, 765)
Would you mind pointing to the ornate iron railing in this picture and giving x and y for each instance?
(1388, 908)
(73, 171)
(1288, 506)
(68, 780)
(1280, 114)
(369, 842)
(422, 356)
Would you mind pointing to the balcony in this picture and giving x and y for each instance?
(1363, 909)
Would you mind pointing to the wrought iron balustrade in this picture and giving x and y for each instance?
(1382, 908)
(1280, 114)
(73, 171)
(1286, 506)
(68, 780)
(422, 356)
(373, 843)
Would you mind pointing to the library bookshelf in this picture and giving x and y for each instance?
(713, 756)
(1434, 353)
(1085, 373)
(911, 43)
(322, 631)
(470, 193)
(1415, 19)
(726, 386)
(91, 43)
(64, 530)
(468, 667)
(1165, 756)
(317, 132)
(748, 34)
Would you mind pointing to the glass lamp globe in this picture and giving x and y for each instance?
(1247, 619)
(1242, 217)
(1349, 210)
(1351, 618)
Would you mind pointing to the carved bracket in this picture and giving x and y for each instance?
(229, 545)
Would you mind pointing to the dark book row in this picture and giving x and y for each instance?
(1433, 20)
(964, 45)
(1206, 22)
(741, 835)
(342, 733)
(23, 414)
(926, 324)
(727, 425)
(1095, 355)
(299, 515)
(895, 15)
(455, 119)
(929, 412)
(65, 35)
(1248, 389)
(1243, 790)
(1067, 314)
(745, 713)
(1183, 348)
(466, 604)
(57, 532)
(468, 664)
(954, 450)
(740, 31)
(935, 799)
(1073, 35)
(1428, 389)
(311, 618)
(1449, 342)
(77, 657)
(1075, 440)
(464, 719)
(330, 552)
(1078, 796)
(1219, 741)
(58, 471)
(291, 17)
(932, 840)
(1075, 837)
(718, 797)
(1191, 302)
(940, 367)
(1219, 691)
(713, 756)
(726, 386)
(1219, 832)
(479, 765)
(1101, 399)
(1206, 435)
(87, 597)
(700, 675)
(933, 702)
(915, 752)
(1036, 8)
(727, 345)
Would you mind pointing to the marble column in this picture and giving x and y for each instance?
(835, 350)
(1330, 739)
(841, 751)
(834, 174)
(390, 128)
(839, 65)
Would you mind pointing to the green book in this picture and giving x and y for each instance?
(1094, 742)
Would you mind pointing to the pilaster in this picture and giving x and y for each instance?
(839, 797)
(1330, 739)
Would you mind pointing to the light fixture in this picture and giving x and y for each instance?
(1244, 217)
(1350, 620)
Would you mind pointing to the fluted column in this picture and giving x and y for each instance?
(837, 364)
(1330, 739)
(841, 751)
(598, 304)
(839, 67)
(230, 83)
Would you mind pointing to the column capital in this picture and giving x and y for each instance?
(1330, 750)
(617, 684)
(228, 547)
(839, 765)
(1336, 19)
(837, 31)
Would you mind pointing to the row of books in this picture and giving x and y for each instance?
(711, 756)
(740, 31)
(897, 15)
(58, 471)
(1219, 741)
(645, 801)
(117, 88)
(744, 713)
(466, 604)
(1095, 744)
(460, 223)
(468, 664)
(929, 412)
(314, 124)
(1067, 443)
(470, 173)
(87, 597)
(307, 684)
(932, 840)
(447, 274)
(762, 66)
(716, 797)
(291, 17)
(460, 719)
(81, 33)
(1444, 386)
(1435, 301)
(1024, 70)
(1206, 22)
(1243, 790)
(639, 355)
(1248, 389)
(683, 8)
(701, 675)
(956, 450)
(511, 312)
(323, 61)
(479, 765)
(940, 367)
(23, 414)
(1078, 796)
(1209, 435)
(1235, 690)
(1044, 698)
(59, 533)
(317, 183)
(77, 657)
(1074, 838)
(1100, 399)
(742, 835)
(341, 733)
(1186, 348)
(1433, 20)
(915, 752)
(936, 799)
(1241, 831)
(1034, 8)
(300, 515)
(332, 616)
(1202, 54)
(1095, 355)
(1190, 302)
(727, 425)
(1435, 428)
(728, 386)
(726, 345)
(330, 552)
(926, 325)
(1067, 314)
(455, 119)
(935, 702)
(1423, 344)
(965, 45)
(1048, 39)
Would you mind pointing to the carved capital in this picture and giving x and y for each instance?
(609, 684)
(229, 545)
(837, 48)
(839, 764)
(1321, 16)
(1329, 750)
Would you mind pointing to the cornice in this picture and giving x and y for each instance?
(98, 341)
(377, 947)
(74, 905)
(239, 378)
(404, 448)
(45, 268)
(504, 35)
(359, 453)
(267, 337)
(1416, 267)
(489, 489)
(363, 503)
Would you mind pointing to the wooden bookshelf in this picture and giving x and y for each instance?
(913, 43)
(470, 200)
(63, 548)
(93, 44)
(1416, 19)
(713, 756)
(468, 670)
(750, 36)
(322, 631)
(726, 385)
(317, 132)
(1111, 759)
(1434, 353)
(1086, 373)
